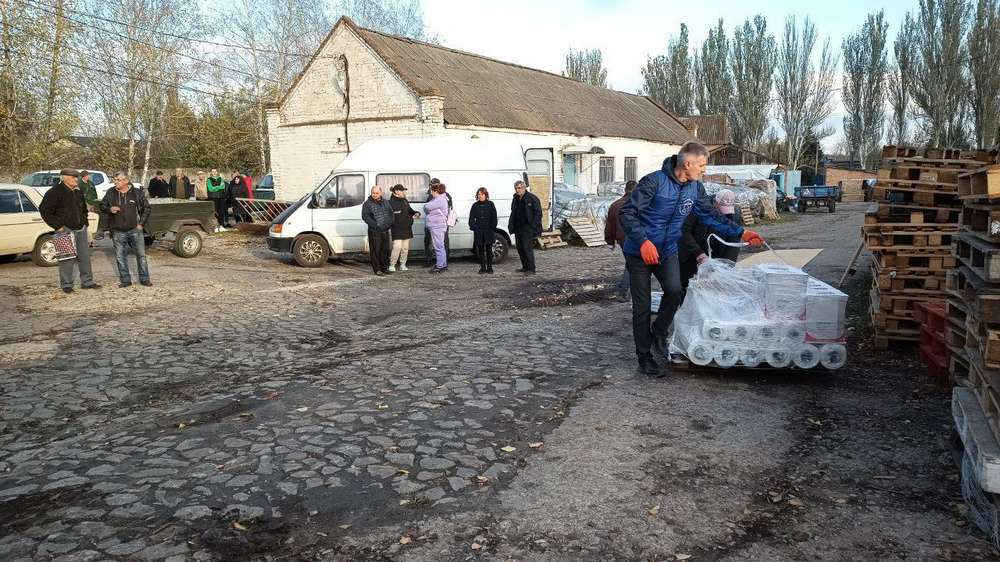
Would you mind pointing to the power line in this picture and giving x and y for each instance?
(151, 45)
(182, 37)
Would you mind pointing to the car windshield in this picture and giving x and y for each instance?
(40, 179)
(266, 183)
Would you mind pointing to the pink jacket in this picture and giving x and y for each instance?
(436, 211)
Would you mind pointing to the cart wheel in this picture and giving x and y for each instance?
(187, 244)
(833, 206)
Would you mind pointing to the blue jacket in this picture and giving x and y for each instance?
(657, 209)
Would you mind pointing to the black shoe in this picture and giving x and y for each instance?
(520, 270)
(529, 271)
(436, 270)
(124, 285)
(379, 274)
(146, 283)
(482, 270)
(489, 270)
(67, 290)
(648, 366)
(661, 345)
(91, 286)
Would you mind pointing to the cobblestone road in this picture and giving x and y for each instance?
(244, 408)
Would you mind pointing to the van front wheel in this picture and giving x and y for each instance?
(310, 250)
(500, 248)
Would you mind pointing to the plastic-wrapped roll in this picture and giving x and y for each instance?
(751, 357)
(700, 352)
(806, 356)
(741, 333)
(833, 356)
(715, 331)
(726, 355)
(778, 358)
(793, 333)
(767, 332)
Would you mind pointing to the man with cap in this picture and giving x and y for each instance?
(402, 227)
(65, 210)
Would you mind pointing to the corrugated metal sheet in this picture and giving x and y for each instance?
(485, 92)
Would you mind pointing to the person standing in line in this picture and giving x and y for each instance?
(377, 214)
(248, 184)
(93, 203)
(180, 185)
(483, 224)
(216, 187)
(64, 209)
(653, 218)
(402, 227)
(128, 210)
(436, 211)
(430, 257)
(201, 186)
(158, 187)
(525, 224)
(236, 189)
(615, 234)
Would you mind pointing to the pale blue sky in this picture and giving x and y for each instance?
(538, 33)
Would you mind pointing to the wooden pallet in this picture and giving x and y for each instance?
(900, 305)
(886, 340)
(980, 256)
(921, 176)
(916, 196)
(549, 240)
(902, 239)
(979, 297)
(747, 215)
(982, 220)
(983, 183)
(962, 165)
(908, 260)
(983, 337)
(587, 231)
(958, 366)
(903, 282)
(985, 383)
(899, 325)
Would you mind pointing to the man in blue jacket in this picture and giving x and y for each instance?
(653, 218)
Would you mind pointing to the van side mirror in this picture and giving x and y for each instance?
(314, 202)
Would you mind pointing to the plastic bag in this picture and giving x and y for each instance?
(767, 315)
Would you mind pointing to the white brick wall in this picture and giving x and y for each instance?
(307, 141)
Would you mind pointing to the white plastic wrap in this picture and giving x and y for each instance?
(768, 315)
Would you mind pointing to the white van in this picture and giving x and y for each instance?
(328, 221)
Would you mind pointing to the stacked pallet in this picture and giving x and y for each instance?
(973, 339)
(852, 191)
(909, 231)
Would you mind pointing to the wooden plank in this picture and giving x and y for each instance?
(982, 220)
(980, 298)
(981, 183)
(587, 231)
(978, 438)
(980, 256)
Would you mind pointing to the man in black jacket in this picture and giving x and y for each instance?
(64, 209)
(402, 227)
(158, 187)
(377, 214)
(128, 211)
(525, 224)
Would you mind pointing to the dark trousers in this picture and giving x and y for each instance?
(125, 243)
(524, 238)
(429, 257)
(485, 254)
(379, 246)
(221, 211)
(689, 267)
(667, 272)
(623, 283)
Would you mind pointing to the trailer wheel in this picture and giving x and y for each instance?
(310, 250)
(187, 244)
(832, 206)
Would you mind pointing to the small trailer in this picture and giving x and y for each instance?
(180, 223)
(816, 196)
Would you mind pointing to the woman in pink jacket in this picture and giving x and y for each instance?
(436, 211)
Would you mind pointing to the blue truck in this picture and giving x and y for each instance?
(816, 196)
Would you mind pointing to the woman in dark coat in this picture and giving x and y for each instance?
(483, 224)
(236, 189)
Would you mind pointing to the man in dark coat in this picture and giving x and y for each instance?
(614, 233)
(402, 227)
(128, 211)
(158, 187)
(377, 214)
(525, 224)
(64, 209)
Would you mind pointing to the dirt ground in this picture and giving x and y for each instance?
(244, 408)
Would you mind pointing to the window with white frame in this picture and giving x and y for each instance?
(607, 173)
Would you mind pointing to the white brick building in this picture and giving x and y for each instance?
(362, 84)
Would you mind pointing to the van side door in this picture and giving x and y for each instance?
(540, 173)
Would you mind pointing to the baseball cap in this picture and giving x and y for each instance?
(725, 201)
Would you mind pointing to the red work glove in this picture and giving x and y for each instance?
(649, 253)
(752, 238)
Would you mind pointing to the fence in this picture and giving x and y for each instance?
(260, 211)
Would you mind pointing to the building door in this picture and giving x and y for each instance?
(540, 172)
(569, 169)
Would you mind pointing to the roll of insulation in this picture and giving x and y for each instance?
(716, 331)
(793, 333)
(767, 332)
(726, 355)
(806, 356)
(751, 357)
(700, 352)
(778, 358)
(741, 333)
(833, 356)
